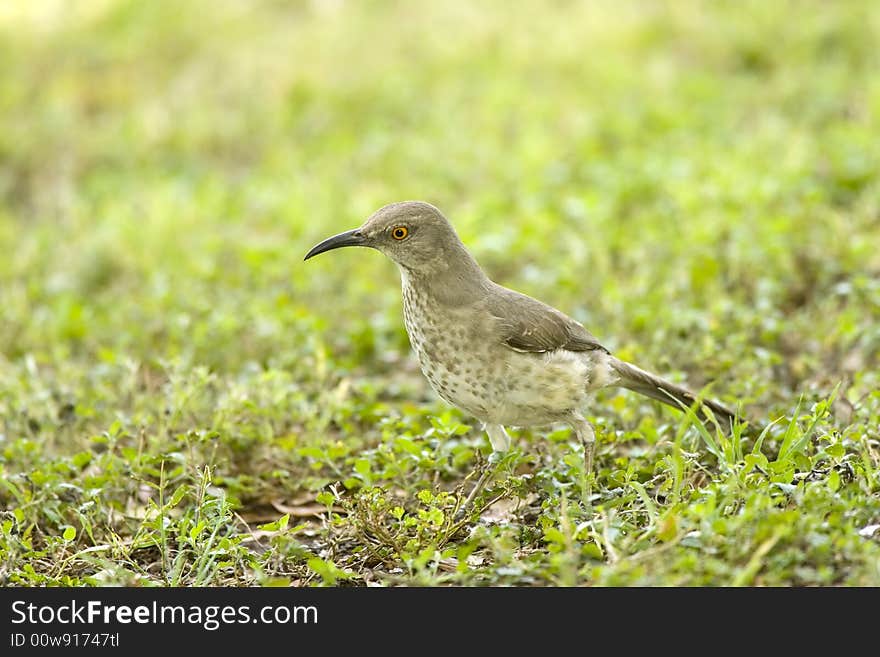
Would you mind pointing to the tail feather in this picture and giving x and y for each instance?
(638, 380)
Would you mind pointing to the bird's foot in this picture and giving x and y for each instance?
(488, 471)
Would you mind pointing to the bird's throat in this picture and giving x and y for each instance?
(448, 286)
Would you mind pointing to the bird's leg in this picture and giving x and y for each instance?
(498, 437)
(500, 441)
(584, 431)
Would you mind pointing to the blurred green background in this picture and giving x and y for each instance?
(694, 181)
(647, 166)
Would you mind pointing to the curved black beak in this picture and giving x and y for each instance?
(348, 238)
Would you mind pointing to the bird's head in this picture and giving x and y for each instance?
(413, 234)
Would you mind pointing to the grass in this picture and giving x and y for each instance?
(184, 402)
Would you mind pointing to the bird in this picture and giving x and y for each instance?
(502, 357)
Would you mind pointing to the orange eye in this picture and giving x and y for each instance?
(399, 232)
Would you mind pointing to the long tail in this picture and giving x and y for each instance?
(638, 380)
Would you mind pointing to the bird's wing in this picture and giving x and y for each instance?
(526, 324)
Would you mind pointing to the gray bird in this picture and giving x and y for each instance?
(500, 356)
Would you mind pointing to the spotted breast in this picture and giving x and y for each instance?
(446, 353)
(468, 367)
